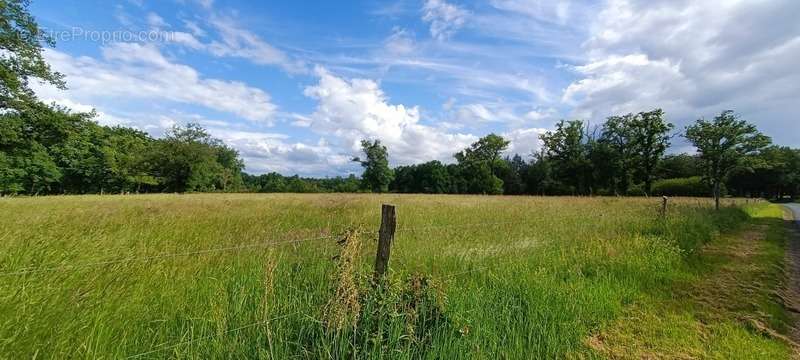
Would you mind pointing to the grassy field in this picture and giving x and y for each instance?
(289, 276)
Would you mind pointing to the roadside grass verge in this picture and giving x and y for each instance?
(726, 305)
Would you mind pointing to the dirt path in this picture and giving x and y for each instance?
(791, 297)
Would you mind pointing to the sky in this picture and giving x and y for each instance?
(295, 86)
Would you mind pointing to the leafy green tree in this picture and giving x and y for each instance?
(478, 179)
(606, 173)
(229, 178)
(377, 174)
(295, 184)
(775, 172)
(650, 139)
(633, 145)
(31, 170)
(427, 178)
(613, 154)
(21, 58)
(125, 155)
(458, 179)
(433, 178)
(189, 159)
(31, 143)
(488, 149)
(481, 165)
(566, 150)
(350, 184)
(724, 144)
(679, 166)
(514, 181)
(539, 177)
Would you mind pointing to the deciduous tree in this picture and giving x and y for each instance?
(377, 173)
(21, 59)
(724, 144)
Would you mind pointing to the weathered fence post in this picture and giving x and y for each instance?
(664, 201)
(385, 238)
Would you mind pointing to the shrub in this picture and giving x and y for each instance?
(691, 186)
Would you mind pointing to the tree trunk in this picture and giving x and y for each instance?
(716, 195)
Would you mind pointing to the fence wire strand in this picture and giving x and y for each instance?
(26, 271)
(172, 346)
(162, 256)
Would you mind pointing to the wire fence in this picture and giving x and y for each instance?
(260, 245)
(106, 261)
(162, 256)
(165, 347)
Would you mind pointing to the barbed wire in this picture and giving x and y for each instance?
(248, 326)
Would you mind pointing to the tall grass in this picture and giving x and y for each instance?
(470, 277)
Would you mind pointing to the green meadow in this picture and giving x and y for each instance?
(290, 276)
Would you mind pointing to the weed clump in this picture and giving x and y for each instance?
(365, 316)
(342, 309)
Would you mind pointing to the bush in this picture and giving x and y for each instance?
(691, 186)
(636, 190)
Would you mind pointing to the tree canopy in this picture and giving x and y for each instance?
(21, 57)
(377, 173)
(724, 143)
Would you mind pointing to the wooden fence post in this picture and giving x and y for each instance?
(385, 238)
(664, 202)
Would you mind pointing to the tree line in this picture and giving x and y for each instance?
(47, 149)
(627, 155)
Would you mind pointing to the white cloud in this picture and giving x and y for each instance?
(352, 110)
(102, 118)
(229, 40)
(550, 11)
(444, 18)
(401, 42)
(207, 4)
(524, 142)
(238, 42)
(271, 152)
(185, 39)
(195, 29)
(694, 58)
(510, 116)
(156, 21)
(131, 71)
(474, 113)
(548, 28)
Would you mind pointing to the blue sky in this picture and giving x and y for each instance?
(294, 86)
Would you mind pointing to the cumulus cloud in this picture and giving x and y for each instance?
(524, 142)
(275, 152)
(352, 110)
(693, 58)
(444, 18)
(141, 72)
